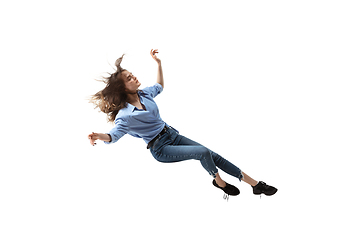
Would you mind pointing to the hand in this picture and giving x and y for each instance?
(93, 137)
(152, 53)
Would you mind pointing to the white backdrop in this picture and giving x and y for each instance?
(273, 86)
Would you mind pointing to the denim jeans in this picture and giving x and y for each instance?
(173, 147)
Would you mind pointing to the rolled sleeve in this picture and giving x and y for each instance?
(153, 91)
(118, 131)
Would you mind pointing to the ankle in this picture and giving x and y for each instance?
(254, 183)
(220, 182)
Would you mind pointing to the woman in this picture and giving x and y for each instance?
(135, 112)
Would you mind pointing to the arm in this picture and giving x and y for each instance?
(98, 136)
(160, 77)
(114, 135)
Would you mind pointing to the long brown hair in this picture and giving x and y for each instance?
(113, 97)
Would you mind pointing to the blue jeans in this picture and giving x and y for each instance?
(173, 147)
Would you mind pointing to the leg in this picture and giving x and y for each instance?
(178, 153)
(219, 181)
(219, 161)
(223, 164)
(249, 180)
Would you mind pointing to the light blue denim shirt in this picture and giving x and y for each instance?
(145, 124)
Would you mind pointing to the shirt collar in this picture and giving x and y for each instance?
(131, 108)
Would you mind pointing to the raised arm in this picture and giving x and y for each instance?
(160, 77)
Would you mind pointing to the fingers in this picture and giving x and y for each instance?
(91, 135)
(153, 52)
(92, 138)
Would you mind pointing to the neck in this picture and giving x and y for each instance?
(132, 97)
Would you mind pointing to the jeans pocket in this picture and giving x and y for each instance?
(160, 142)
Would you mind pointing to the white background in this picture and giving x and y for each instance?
(273, 86)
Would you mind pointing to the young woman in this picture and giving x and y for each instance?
(135, 112)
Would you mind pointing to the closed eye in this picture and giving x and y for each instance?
(130, 76)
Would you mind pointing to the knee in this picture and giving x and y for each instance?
(205, 153)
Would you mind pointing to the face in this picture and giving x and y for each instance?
(131, 82)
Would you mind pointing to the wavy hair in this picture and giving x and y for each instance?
(113, 97)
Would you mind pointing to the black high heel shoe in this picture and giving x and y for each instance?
(228, 189)
(262, 187)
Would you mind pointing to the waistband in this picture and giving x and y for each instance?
(151, 143)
